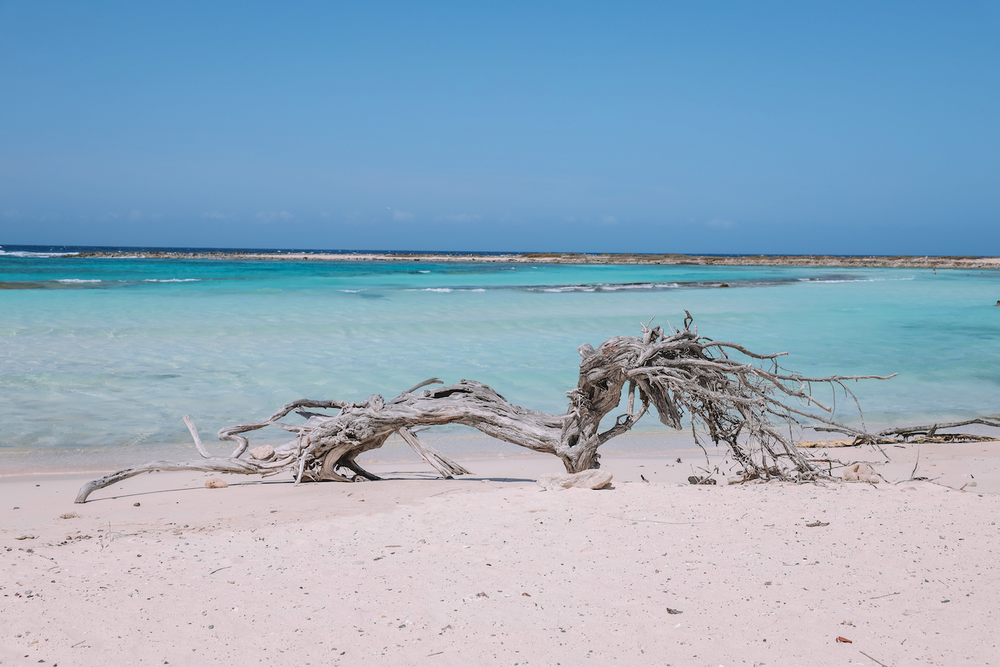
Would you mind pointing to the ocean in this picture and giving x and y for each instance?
(101, 358)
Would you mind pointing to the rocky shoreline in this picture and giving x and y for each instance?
(882, 261)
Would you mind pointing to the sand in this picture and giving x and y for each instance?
(493, 570)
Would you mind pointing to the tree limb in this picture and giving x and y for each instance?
(680, 374)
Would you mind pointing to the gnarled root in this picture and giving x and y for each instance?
(737, 397)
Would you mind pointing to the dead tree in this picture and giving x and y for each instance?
(740, 399)
(929, 433)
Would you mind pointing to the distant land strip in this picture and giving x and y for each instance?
(859, 261)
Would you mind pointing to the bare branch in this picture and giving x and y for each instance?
(740, 398)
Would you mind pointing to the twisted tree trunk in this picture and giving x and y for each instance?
(741, 404)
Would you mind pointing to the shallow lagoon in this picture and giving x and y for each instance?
(105, 354)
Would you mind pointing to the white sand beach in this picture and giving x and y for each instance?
(414, 570)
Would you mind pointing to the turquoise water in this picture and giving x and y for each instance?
(111, 353)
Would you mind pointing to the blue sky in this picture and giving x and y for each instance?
(697, 127)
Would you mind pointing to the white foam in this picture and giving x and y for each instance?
(77, 280)
(853, 280)
(616, 288)
(172, 280)
(605, 287)
(24, 253)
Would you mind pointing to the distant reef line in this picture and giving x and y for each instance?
(858, 261)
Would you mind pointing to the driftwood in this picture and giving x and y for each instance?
(912, 434)
(741, 399)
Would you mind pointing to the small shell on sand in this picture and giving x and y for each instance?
(262, 453)
(216, 483)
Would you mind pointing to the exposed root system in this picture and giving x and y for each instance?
(741, 399)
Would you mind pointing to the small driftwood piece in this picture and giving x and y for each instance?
(914, 434)
(741, 399)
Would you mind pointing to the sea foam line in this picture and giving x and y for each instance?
(853, 280)
(25, 253)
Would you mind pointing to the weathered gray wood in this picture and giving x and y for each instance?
(436, 459)
(739, 404)
(923, 434)
(208, 465)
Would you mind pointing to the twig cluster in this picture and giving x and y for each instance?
(920, 434)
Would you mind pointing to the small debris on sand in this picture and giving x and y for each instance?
(696, 479)
(262, 453)
(588, 479)
(860, 472)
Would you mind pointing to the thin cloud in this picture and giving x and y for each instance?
(401, 216)
(135, 215)
(460, 217)
(217, 215)
(719, 223)
(275, 216)
(609, 220)
(12, 213)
